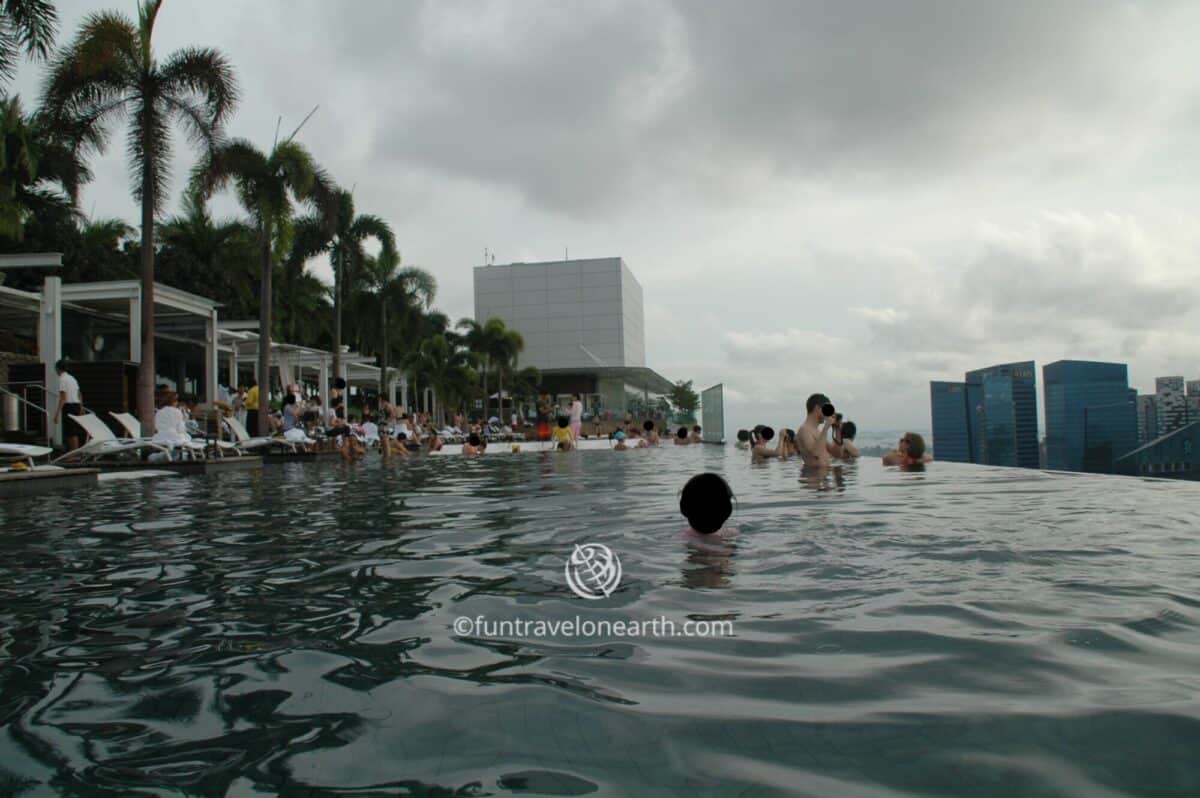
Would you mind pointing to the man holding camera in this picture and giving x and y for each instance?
(813, 435)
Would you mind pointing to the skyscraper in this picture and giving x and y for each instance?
(1147, 417)
(1171, 402)
(1193, 400)
(1003, 417)
(990, 418)
(951, 428)
(1073, 387)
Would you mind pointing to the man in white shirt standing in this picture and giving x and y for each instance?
(70, 400)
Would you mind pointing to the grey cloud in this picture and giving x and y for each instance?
(578, 108)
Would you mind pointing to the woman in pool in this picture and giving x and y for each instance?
(576, 417)
(474, 444)
(681, 437)
(909, 451)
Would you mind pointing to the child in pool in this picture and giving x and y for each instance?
(562, 436)
(707, 502)
(620, 445)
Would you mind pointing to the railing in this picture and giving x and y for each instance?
(22, 415)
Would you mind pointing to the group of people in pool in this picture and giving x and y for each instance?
(824, 437)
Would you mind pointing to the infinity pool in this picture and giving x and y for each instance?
(961, 631)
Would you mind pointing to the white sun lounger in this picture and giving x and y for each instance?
(134, 428)
(103, 443)
(23, 452)
(246, 443)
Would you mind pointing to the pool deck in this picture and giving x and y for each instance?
(210, 466)
(31, 483)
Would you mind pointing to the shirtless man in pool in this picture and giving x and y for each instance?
(814, 433)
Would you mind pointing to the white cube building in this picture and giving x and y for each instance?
(582, 322)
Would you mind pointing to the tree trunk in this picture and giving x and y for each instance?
(145, 379)
(337, 312)
(264, 334)
(383, 353)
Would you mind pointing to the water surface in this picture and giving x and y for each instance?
(962, 630)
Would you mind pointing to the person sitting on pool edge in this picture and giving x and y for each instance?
(681, 437)
(563, 437)
(909, 451)
(842, 445)
(707, 502)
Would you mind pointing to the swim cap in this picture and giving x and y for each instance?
(619, 435)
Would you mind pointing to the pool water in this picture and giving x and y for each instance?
(957, 631)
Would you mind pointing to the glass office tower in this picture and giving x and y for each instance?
(951, 430)
(1003, 418)
(1074, 386)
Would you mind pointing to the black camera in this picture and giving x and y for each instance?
(827, 409)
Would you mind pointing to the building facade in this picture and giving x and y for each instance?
(990, 418)
(1147, 418)
(1088, 413)
(951, 426)
(582, 322)
(1171, 404)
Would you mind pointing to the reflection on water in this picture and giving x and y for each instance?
(959, 630)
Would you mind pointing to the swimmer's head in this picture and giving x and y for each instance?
(789, 435)
(516, 448)
(743, 435)
(815, 401)
(401, 436)
(765, 432)
(619, 435)
(563, 421)
(696, 429)
(916, 445)
(706, 502)
(849, 430)
(648, 425)
(682, 433)
(474, 439)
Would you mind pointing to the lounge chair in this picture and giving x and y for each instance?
(131, 425)
(24, 453)
(247, 443)
(103, 443)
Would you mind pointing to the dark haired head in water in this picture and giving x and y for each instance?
(743, 435)
(682, 433)
(706, 502)
(765, 432)
(648, 425)
(916, 445)
(474, 439)
(849, 430)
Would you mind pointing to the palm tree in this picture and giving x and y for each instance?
(344, 242)
(267, 186)
(225, 249)
(504, 345)
(25, 25)
(445, 368)
(407, 291)
(106, 233)
(31, 159)
(494, 344)
(110, 72)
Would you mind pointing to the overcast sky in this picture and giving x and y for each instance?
(848, 197)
